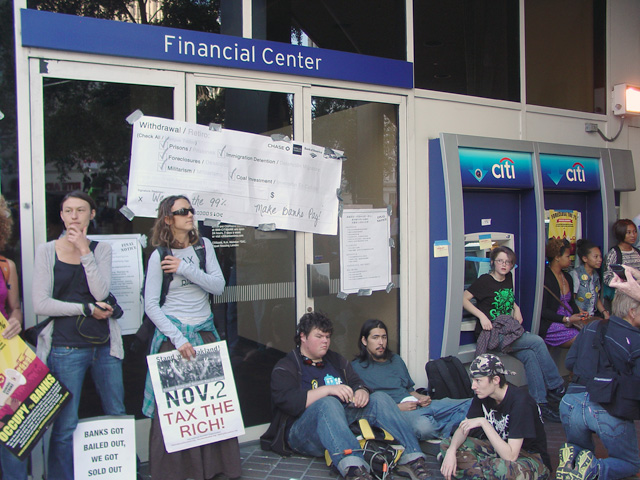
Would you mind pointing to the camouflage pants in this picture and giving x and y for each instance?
(478, 460)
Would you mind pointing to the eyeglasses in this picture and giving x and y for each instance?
(183, 212)
(308, 361)
(500, 261)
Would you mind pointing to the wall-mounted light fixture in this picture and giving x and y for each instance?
(626, 100)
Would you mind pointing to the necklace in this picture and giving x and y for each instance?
(561, 282)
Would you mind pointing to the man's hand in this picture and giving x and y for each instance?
(407, 406)
(449, 465)
(360, 398)
(13, 329)
(630, 287)
(343, 392)
(423, 400)
(170, 264)
(469, 424)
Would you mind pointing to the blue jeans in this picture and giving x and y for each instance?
(12, 468)
(438, 419)
(69, 365)
(324, 425)
(582, 417)
(542, 373)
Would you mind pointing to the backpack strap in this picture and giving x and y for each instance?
(166, 277)
(201, 251)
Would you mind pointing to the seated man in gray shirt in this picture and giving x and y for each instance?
(383, 370)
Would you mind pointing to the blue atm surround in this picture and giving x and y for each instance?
(509, 183)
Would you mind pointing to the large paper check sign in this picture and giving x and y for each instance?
(234, 177)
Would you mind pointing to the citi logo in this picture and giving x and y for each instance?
(504, 169)
(576, 173)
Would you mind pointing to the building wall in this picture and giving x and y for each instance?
(434, 113)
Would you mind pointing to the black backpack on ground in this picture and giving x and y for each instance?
(448, 379)
(147, 329)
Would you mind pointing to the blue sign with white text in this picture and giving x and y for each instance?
(109, 37)
(562, 172)
(484, 168)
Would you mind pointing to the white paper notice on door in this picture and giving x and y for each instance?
(365, 251)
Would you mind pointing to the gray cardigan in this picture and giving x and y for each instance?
(97, 268)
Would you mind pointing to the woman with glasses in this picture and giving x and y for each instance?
(494, 297)
(183, 320)
(561, 318)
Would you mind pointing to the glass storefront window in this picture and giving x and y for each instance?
(198, 15)
(257, 312)
(566, 54)
(88, 147)
(468, 47)
(368, 27)
(368, 134)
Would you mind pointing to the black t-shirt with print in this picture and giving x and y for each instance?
(517, 416)
(314, 377)
(493, 298)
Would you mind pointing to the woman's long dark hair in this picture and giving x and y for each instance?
(363, 355)
(161, 234)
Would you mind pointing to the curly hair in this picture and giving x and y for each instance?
(6, 223)
(312, 320)
(161, 234)
(556, 247)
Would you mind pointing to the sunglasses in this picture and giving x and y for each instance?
(308, 361)
(183, 212)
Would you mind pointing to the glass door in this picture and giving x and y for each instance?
(80, 140)
(367, 127)
(257, 312)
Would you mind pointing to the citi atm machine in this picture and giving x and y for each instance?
(485, 192)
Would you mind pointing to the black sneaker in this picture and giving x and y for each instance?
(555, 395)
(415, 470)
(358, 473)
(549, 414)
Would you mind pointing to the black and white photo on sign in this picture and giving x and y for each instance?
(176, 372)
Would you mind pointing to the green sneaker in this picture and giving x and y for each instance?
(586, 465)
(567, 455)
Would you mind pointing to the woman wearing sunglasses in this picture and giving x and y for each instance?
(494, 297)
(184, 320)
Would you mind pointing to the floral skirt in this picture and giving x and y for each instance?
(559, 334)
